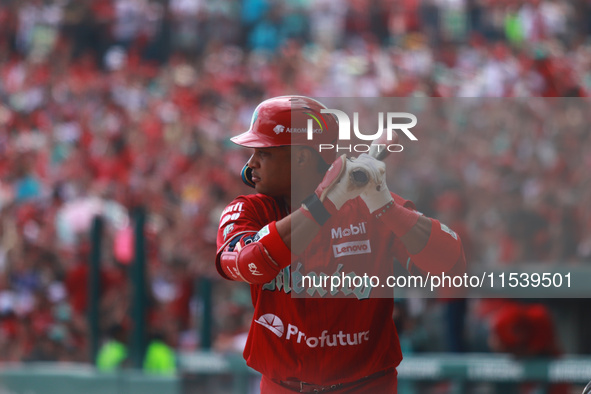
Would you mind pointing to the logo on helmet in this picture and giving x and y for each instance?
(317, 121)
(279, 129)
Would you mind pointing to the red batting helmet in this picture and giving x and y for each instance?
(282, 121)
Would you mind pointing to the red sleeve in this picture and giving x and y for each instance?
(238, 217)
(399, 250)
(249, 247)
(443, 252)
(239, 223)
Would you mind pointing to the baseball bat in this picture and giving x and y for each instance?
(379, 151)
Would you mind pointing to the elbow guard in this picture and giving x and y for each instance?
(251, 264)
(256, 262)
(442, 251)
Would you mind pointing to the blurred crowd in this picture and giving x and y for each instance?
(111, 105)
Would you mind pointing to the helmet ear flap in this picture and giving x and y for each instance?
(246, 175)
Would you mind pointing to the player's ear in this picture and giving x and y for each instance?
(303, 157)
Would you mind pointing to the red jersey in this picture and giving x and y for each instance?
(322, 340)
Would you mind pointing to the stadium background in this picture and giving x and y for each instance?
(107, 106)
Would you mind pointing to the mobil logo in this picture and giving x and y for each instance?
(352, 229)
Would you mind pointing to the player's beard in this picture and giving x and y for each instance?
(278, 189)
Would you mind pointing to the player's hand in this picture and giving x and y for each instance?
(337, 186)
(376, 194)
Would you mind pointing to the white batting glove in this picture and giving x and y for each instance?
(376, 193)
(338, 186)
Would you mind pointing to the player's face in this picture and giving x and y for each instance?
(271, 170)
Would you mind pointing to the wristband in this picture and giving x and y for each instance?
(274, 245)
(383, 210)
(316, 208)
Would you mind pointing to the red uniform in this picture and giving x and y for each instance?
(322, 340)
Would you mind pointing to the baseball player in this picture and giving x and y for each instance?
(309, 216)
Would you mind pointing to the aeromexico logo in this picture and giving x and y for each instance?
(326, 339)
(320, 123)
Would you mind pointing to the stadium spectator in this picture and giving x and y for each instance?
(160, 358)
(113, 352)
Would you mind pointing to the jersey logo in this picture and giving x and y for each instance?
(232, 212)
(254, 269)
(272, 323)
(233, 208)
(264, 231)
(340, 232)
(228, 229)
(228, 217)
(351, 248)
(325, 339)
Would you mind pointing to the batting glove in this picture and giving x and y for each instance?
(337, 187)
(376, 194)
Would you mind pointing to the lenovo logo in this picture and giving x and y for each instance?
(351, 248)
